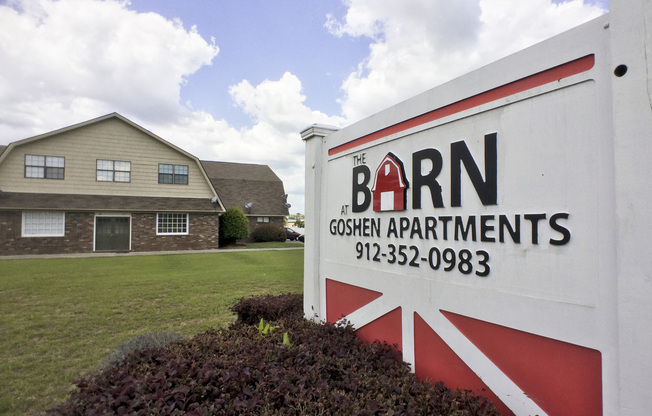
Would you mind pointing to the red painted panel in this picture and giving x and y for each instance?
(388, 328)
(342, 299)
(562, 378)
(436, 361)
(390, 182)
(541, 78)
(376, 206)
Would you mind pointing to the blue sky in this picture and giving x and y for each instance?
(238, 80)
(262, 40)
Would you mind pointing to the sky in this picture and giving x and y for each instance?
(238, 80)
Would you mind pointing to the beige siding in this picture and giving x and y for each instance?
(110, 139)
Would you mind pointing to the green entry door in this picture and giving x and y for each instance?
(112, 233)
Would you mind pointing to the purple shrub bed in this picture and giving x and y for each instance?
(250, 311)
(320, 369)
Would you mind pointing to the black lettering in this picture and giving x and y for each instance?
(416, 228)
(333, 227)
(365, 227)
(514, 233)
(444, 220)
(360, 187)
(375, 227)
(484, 263)
(404, 224)
(470, 227)
(357, 225)
(341, 226)
(391, 229)
(565, 232)
(487, 189)
(429, 180)
(349, 228)
(431, 224)
(485, 228)
(534, 219)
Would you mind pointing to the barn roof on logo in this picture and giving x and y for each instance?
(390, 185)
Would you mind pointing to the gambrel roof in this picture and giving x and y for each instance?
(240, 183)
(114, 115)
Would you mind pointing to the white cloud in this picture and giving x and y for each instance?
(279, 112)
(278, 103)
(418, 44)
(66, 60)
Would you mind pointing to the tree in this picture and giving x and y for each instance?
(233, 226)
(298, 220)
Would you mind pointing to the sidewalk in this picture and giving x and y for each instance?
(136, 253)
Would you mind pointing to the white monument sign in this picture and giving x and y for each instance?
(496, 228)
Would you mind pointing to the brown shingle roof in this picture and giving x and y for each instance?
(239, 183)
(2, 149)
(15, 200)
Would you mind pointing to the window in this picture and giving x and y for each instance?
(44, 224)
(262, 219)
(44, 167)
(172, 224)
(175, 174)
(113, 171)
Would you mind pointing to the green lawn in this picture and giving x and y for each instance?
(60, 317)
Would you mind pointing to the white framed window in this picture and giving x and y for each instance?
(173, 174)
(45, 167)
(44, 224)
(171, 224)
(113, 171)
(262, 219)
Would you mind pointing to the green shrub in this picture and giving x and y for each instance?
(268, 232)
(233, 226)
(141, 342)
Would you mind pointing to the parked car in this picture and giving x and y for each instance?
(291, 234)
(301, 238)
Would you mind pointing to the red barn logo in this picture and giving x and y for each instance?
(390, 185)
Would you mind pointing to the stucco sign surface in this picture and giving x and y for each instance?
(476, 226)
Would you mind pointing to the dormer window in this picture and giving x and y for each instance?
(173, 174)
(113, 171)
(44, 167)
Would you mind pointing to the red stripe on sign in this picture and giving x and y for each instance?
(541, 78)
(342, 299)
(388, 328)
(563, 379)
(434, 360)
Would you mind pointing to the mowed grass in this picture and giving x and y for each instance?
(60, 317)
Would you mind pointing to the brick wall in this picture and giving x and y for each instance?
(78, 237)
(203, 234)
(253, 222)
